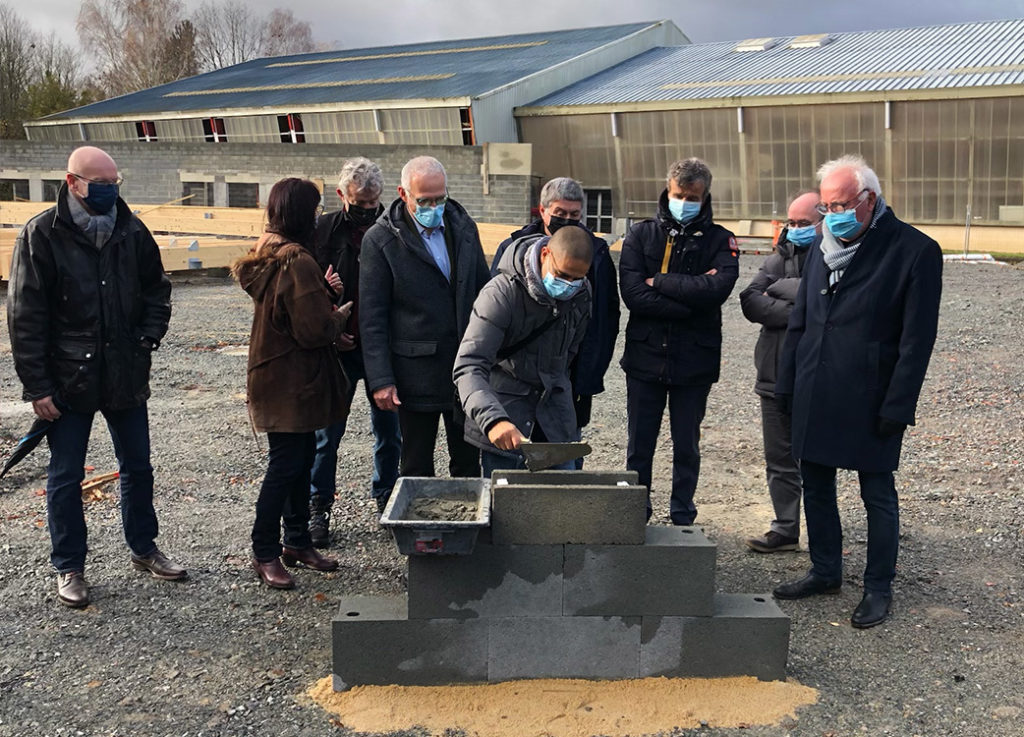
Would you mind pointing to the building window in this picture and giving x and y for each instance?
(599, 210)
(50, 189)
(146, 130)
(466, 118)
(213, 129)
(243, 194)
(14, 190)
(197, 194)
(290, 127)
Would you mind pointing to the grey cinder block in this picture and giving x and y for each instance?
(672, 573)
(747, 636)
(565, 478)
(494, 581)
(551, 515)
(375, 643)
(564, 647)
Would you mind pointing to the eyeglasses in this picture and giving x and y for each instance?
(800, 223)
(432, 201)
(837, 208)
(119, 181)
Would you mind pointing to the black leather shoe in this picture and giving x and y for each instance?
(72, 589)
(873, 609)
(809, 585)
(159, 566)
(308, 557)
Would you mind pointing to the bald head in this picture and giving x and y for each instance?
(89, 166)
(803, 210)
(572, 243)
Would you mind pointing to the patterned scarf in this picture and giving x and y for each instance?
(99, 228)
(839, 255)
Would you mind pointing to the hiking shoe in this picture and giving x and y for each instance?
(320, 527)
(772, 542)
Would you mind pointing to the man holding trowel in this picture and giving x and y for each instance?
(512, 369)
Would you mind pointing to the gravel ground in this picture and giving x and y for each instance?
(222, 655)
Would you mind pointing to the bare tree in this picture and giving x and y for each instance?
(17, 45)
(285, 34)
(226, 34)
(55, 81)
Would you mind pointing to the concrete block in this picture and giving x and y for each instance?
(551, 515)
(565, 478)
(747, 636)
(375, 643)
(494, 581)
(564, 647)
(672, 573)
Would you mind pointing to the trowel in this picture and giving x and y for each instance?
(540, 456)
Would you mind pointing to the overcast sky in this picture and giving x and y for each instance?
(349, 24)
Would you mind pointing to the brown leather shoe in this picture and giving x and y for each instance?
(72, 589)
(309, 557)
(273, 574)
(158, 564)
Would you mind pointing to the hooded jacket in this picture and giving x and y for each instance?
(768, 301)
(295, 381)
(411, 318)
(598, 346)
(531, 386)
(77, 315)
(674, 333)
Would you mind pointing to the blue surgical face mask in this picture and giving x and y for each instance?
(683, 210)
(101, 197)
(430, 217)
(802, 237)
(561, 289)
(843, 224)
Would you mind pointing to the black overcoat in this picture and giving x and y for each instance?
(859, 352)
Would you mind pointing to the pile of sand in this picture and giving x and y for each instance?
(566, 708)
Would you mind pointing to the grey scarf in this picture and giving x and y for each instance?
(99, 228)
(839, 255)
(531, 264)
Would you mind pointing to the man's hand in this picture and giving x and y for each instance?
(505, 436)
(710, 272)
(345, 342)
(649, 282)
(45, 409)
(386, 398)
(334, 280)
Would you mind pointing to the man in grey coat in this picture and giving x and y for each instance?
(768, 301)
(512, 370)
(421, 267)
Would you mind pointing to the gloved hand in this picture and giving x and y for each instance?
(785, 403)
(887, 428)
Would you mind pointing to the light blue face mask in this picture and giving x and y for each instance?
(430, 217)
(683, 210)
(561, 289)
(843, 224)
(802, 237)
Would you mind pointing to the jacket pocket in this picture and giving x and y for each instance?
(414, 348)
(503, 383)
(73, 361)
(637, 331)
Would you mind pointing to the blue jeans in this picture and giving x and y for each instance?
(68, 439)
(387, 443)
(284, 495)
(825, 532)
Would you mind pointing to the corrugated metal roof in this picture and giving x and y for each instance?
(956, 55)
(437, 70)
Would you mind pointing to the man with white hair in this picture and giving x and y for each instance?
(421, 268)
(854, 359)
(336, 245)
(88, 304)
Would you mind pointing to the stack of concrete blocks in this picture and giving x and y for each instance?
(570, 583)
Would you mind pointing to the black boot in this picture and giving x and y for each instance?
(320, 524)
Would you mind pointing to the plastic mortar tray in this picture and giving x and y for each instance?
(431, 516)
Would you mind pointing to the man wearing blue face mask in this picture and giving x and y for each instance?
(768, 301)
(852, 366)
(421, 266)
(88, 304)
(512, 370)
(676, 271)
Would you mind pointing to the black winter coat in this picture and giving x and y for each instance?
(77, 314)
(595, 354)
(333, 245)
(674, 333)
(411, 319)
(768, 301)
(860, 352)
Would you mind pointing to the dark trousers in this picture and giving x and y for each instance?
(68, 438)
(781, 469)
(419, 437)
(284, 495)
(645, 405)
(825, 532)
(387, 443)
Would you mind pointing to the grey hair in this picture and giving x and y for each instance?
(866, 177)
(363, 173)
(421, 166)
(690, 171)
(563, 188)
